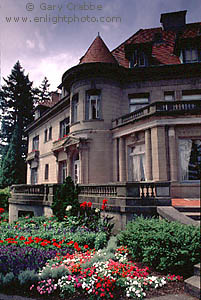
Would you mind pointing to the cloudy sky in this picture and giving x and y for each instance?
(50, 36)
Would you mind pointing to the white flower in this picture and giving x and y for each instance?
(97, 210)
(68, 208)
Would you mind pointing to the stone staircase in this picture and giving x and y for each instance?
(192, 212)
(192, 284)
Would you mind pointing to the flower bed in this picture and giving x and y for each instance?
(45, 257)
(90, 274)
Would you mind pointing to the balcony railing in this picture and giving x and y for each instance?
(33, 193)
(33, 155)
(162, 108)
(128, 189)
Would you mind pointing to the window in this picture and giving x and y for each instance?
(93, 105)
(50, 133)
(64, 127)
(138, 101)
(74, 108)
(169, 96)
(62, 171)
(190, 159)
(190, 55)
(191, 95)
(45, 136)
(137, 159)
(34, 175)
(36, 143)
(46, 171)
(138, 59)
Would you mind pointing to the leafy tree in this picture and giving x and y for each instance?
(16, 105)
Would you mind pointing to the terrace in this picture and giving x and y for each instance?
(124, 199)
(162, 108)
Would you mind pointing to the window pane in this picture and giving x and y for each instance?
(50, 133)
(36, 143)
(190, 159)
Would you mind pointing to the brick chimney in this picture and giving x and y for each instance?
(174, 20)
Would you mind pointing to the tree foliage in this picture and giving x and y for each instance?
(16, 107)
(66, 194)
(43, 93)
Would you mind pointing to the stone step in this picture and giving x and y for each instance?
(197, 270)
(192, 215)
(192, 286)
(188, 208)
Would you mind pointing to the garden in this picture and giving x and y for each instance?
(74, 254)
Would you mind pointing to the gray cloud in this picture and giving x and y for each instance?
(47, 49)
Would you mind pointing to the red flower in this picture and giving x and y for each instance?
(22, 238)
(103, 207)
(105, 201)
(70, 243)
(2, 210)
(83, 205)
(86, 246)
(89, 204)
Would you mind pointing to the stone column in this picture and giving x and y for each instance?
(148, 155)
(159, 153)
(172, 154)
(115, 160)
(122, 160)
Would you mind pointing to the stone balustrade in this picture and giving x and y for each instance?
(162, 108)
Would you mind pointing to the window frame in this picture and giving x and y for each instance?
(189, 51)
(35, 143)
(74, 113)
(136, 59)
(181, 160)
(93, 95)
(64, 128)
(46, 177)
(141, 100)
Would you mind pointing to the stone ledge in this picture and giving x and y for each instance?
(192, 286)
(172, 214)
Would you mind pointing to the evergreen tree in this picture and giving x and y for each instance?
(13, 168)
(43, 93)
(16, 106)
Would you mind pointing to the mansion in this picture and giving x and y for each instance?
(132, 114)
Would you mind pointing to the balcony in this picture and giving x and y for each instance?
(58, 144)
(34, 155)
(162, 108)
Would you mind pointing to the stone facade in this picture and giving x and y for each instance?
(115, 124)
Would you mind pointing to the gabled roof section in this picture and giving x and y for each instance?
(163, 51)
(55, 98)
(98, 52)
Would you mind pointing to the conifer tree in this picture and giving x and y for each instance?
(43, 93)
(16, 107)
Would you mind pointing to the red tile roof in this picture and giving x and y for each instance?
(98, 52)
(50, 102)
(162, 52)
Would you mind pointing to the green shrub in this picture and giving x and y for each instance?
(27, 277)
(4, 196)
(100, 240)
(103, 254)
(53, 273)
(166, 246)
(66, 195)
(8, 279)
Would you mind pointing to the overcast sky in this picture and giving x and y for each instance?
(50, 36)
